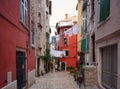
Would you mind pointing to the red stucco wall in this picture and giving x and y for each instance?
(12, 35)
(72, 49)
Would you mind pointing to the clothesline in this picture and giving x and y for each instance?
(57, 53)
(72, 43)
(73, 30)
(69, 32)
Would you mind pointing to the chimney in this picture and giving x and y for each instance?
(66, 16)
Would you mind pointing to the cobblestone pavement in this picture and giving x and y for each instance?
(56, 80)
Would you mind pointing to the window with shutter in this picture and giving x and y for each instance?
(85, 44)
(65, 29)
(66, 52)
(65, 41)
(104, 9)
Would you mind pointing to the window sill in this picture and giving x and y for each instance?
(103, 22)
(26, 27)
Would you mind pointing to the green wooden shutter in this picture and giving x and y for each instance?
(85, 44)
(104, 9)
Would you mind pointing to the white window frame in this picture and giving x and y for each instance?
(24, 12)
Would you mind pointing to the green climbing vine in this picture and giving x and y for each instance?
(46, 58)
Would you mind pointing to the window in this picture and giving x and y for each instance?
(50, 7)
(39, 23)
(24, 12)
(104, 9)
(32, 33)
(46, 15)
(39, 16)
(65, 40)
(85, 44)
(65, 29)
(47, 3)
(66, 52)
(92, 6)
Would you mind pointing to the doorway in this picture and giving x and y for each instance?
(63, 66)
(21, 69)
(109, 67)
(38, 66)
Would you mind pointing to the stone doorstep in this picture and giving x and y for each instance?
(91, 86)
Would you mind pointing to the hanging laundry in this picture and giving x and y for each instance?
(67, 32)
(70, 33)
(56, 53)
(57, 37)
(75, 29)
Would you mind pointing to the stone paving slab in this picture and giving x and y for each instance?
(56, 80)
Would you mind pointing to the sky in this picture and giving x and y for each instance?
(59, 9)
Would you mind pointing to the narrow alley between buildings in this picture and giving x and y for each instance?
(58, 80)
(59, 44)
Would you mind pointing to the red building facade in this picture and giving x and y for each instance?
(71, 49)
(68, 43)
(17, 57)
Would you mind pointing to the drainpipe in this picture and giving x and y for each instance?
(86, 33)
(30, 25)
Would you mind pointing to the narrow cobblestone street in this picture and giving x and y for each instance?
(57, 80)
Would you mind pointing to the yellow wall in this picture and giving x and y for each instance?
(79, 25)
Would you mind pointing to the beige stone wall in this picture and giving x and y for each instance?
(90, 75)
(90, 31)
(39, 6)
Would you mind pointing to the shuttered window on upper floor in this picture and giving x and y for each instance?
(85, 44)
(65, 41)
(104, 9)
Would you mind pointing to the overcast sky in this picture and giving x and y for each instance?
(59, 9)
